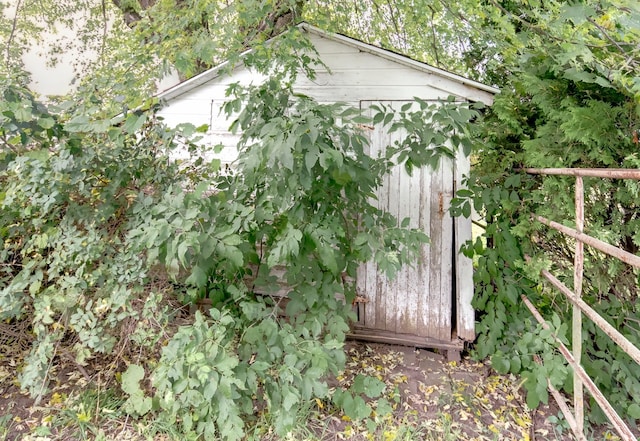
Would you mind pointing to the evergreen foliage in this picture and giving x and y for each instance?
(571, 102)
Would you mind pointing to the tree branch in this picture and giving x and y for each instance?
(104, 30)
(433, 33)
(131, 16)
(14, 25)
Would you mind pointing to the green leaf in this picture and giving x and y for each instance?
(500, 363)
(328, 258)
(383, 407)
(358, 409)
(533, 400)
(198, 277)
(131, 378)
(289, 398)
(78, 124)
(515, 364)
(373, 387)
(46, 122)
(210, 389)
(134, 122)
(634, 411)
(310, 159)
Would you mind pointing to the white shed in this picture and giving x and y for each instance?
(428, 305)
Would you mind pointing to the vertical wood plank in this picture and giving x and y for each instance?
(405, 304)
(446, 250)
(463, 265)
(363, 282)
(410, 300)
(369, 284)
(424, 266)
(435, 262)
(380, 293)
(390, 287)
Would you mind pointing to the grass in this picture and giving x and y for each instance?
(6, 423)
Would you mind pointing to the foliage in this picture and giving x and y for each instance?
(352, 401)
(72, 187)
(92, 206)
(573, 102)
(87, 196)
(446, 34)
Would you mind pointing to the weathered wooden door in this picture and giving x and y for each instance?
(420, 301)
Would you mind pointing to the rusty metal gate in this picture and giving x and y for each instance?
(581, 378)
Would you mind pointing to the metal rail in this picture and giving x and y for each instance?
(579, 372)
(616, 252)
(608, 173)
(581, 379)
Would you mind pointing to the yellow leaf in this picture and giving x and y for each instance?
(56, 398)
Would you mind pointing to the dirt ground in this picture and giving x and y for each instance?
(436, 399)
(456, 400)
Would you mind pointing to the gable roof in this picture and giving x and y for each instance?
(208, 75)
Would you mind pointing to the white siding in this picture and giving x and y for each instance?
(418, 300)
(421, 300)
(464, 265)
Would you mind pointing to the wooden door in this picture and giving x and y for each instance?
(420, 300)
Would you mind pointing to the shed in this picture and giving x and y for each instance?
(429, 304)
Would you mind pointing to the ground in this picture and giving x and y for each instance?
(440, 400)
(432, 399)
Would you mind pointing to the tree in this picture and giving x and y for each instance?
(445, 34)
(206, 32)
(570, 97)
(572, 101)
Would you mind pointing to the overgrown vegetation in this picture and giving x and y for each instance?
(92, 205)
(94, 214)
(572, 102)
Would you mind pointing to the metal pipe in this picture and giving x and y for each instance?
(562, 404)
(615, 335)
(618, 423)
(610, 173)
(576, 320)
(619, 253)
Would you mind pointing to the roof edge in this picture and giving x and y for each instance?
(397, 57)
(193, 82)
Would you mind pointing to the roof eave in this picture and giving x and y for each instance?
(399, 58)
(484, 92)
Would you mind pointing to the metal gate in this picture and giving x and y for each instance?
(581, 378)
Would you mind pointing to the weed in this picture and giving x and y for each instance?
(87, 412)
(6, 421)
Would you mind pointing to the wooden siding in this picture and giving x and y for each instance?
(418, 300)
(432, 298)
(463, 265)
(352, 76)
